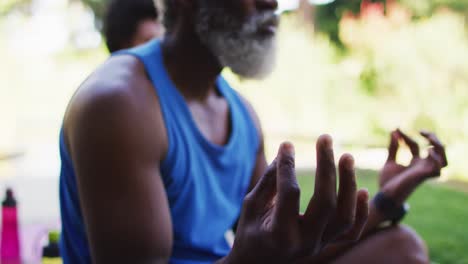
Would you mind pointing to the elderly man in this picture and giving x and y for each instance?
(160, 157)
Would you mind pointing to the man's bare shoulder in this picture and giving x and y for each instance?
(118, 96)
(121, 79)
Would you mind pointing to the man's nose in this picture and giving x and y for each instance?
(266, 4)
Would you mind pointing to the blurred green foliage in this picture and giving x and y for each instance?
(97, 6)
(424, 8)
(7, 6)
(327, 17)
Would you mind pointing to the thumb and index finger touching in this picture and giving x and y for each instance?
(438, 147)
(394, 145)
(413, 145)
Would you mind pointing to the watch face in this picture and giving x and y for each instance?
(390, 209)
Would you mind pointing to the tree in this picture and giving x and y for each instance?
(327, 17)
(424, 8)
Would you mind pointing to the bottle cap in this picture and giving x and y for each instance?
(54, 237)
(52, 250)
(10, 200)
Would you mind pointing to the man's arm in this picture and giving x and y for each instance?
(116, 147)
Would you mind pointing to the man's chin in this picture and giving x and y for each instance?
(256, 66)
(254, 72)
(252, 75)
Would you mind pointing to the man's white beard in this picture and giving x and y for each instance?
(236, 44)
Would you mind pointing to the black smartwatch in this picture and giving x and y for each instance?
(391, 210)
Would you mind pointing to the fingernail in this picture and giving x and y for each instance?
(348, 160)
(326, 141)
(287, 148)
(365, 195)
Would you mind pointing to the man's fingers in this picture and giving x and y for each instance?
(433, 155)
(323, 203)
(265, 189)
(345, 214)
(288, 192)
(393, 146)
(325, 179)
(438, 146)
(346, 207)
(432, 139)
(413, 146)
(362, 213)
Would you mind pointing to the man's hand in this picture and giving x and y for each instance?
(399, 181)
(271, 230)
(396, 182)
(428, 167)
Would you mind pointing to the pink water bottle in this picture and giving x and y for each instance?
(9, 243)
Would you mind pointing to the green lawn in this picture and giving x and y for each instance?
(439, 214)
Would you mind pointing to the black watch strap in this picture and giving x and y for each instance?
(391, 210)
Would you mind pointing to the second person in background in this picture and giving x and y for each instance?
(129, 23)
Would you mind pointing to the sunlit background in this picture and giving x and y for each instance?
(356, 70)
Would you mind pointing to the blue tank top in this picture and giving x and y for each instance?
(205, 183)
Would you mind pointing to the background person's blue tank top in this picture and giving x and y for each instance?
(205, 183)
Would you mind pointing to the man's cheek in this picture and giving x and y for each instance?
(241, 9)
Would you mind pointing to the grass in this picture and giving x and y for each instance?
(438, 214)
